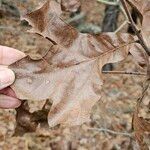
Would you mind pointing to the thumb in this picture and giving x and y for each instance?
(7, 77)
(7, 102)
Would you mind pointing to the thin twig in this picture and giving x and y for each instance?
(134, 27)
(144, 90)
(112, 132)
(108, 3)
(121, 26)
(7, 27)
(125, 72)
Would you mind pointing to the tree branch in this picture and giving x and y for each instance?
(125, 72)
(134, 27)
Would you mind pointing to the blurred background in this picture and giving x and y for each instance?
(111, 119)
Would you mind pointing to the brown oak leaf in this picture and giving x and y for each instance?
(70, 74)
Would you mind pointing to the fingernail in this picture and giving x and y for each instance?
(7, 77)
(7, 102)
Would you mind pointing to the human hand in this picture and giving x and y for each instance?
(7, 96)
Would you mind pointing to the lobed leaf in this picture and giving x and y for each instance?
(70, 74)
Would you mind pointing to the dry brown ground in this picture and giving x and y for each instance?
(114, 110)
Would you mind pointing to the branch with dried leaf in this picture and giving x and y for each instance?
(141, 125)
(134, 27)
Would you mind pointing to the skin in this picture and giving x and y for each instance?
(8, 56)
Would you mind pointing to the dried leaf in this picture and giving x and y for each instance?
(143, 7)
(28, 122)
(139, 55)
(70, 73)
(140, 124)
(24, 120)
(142, 129)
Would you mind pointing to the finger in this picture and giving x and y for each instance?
(9, 55)
(9, 92)
(7, 102)
(7, 77)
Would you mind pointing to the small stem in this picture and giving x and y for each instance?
(112, 132)
(125, 72)
(108, 3)
(123, 11)
(46, 103)
(121, 26)
(137, 32)
(7, 28)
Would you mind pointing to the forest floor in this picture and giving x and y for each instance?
(113, 111)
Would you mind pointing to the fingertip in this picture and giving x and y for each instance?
(7, 77)
(7, 102)
(10, 55)
(15, 103)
